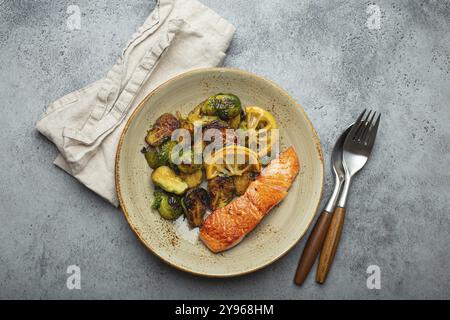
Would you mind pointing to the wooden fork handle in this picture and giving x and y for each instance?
(330, 245)
(312, 247)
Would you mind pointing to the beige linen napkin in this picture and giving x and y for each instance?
(85, 125)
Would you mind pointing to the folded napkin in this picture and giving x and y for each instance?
(85, 125)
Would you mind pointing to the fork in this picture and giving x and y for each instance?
(357, 148)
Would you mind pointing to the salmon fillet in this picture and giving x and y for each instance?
(227, 226)
(263, 196)
(281, 172)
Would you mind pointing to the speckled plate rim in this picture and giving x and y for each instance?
(138, 109)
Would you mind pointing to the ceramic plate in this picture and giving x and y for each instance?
(279, 231)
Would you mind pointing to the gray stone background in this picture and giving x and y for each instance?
(323, 53)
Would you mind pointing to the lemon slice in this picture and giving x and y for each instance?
(231, 161)
(259, 119)
(262, 122)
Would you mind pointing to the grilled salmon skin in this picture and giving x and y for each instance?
(227, 226)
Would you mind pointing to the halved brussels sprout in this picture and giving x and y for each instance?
(165, 150)
(221, 190)
(168, 205)
(221, 126)
(195, 203)
(242, 182)
(152, 157)
(192, 179)
(185, 123)
(159, 156)
(207, 107)
(227, 106)
(216, 124)
(235, 122)
(224, 105)
(197, 116)
(162, 129)
(166, 179)
(191, 167)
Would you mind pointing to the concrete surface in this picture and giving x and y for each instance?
(325, 55)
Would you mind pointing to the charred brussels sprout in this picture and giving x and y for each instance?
(195, 203)
(207, 107)
(165, 150)
(168, 205)
(196, 115)
(228, 106)
(235, 122)
(158, 195)
(185, 123)
(224, 105)
(152, 157)
(222, 126)
(187, 164)
(159, 156)
(216, 124)
(192, 179)
(166, 179)
(221, 190)
(242, 182)
(162, 129)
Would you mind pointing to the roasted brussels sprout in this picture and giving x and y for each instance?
(152, 157)
(216, 124)
(242, 182)
(188, 167)
(166, 179)
(224, 105)
(168, 205)
(197, 116)
(195, 203)
(221, 190)
(158, 194)
(221, 126)
(235, 122)
(185, 123)
(228, 106)
(165, 150)
(207, 107)
(192, 179)
(162, 129)
(159, 156)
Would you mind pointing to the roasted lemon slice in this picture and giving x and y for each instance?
(259, 119)
(231, 161)
(262, 122)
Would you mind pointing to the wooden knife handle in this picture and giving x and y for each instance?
(312, 247)
(330, 245)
